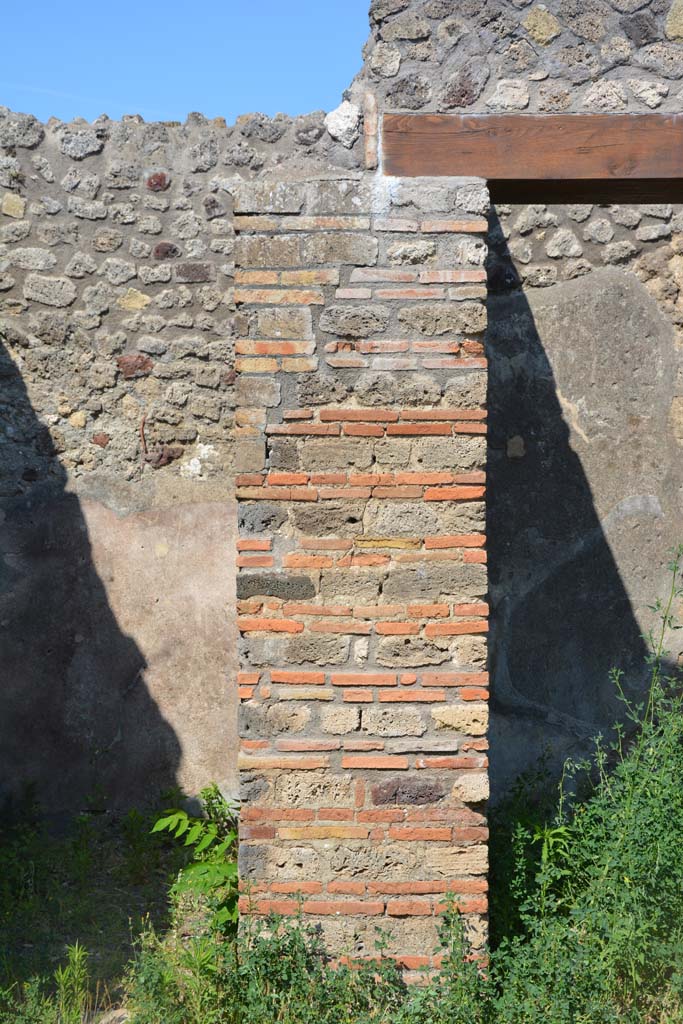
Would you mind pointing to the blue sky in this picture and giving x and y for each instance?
(165, 58)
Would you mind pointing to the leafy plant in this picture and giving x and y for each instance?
(72, 981)
(212, 873)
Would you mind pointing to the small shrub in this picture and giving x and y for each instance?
(211, 875)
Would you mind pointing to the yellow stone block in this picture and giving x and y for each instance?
(78, 419)
(674, 21)
(13, 205)
(133, 299)
(542, 26)
(472, 719)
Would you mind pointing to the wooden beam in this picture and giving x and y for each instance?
(529, 147)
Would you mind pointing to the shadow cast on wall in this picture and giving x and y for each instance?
(77, 723)
(561, 614)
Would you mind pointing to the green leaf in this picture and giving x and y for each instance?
(194, 834)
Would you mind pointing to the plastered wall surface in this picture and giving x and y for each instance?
(584, 463)
(140, 383)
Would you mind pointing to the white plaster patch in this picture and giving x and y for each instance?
(193, 469)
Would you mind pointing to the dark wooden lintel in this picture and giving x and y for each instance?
(589, 152)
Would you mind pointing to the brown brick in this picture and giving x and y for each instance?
(475, 557)
(255, 561)
(335, 813)
(443, 414)
(397, 294)
(466, 540)
(455, 628)
(251, 625)
(411, 696)
(363, 679)
(408, 888)
(393, 815)
(248, 677)
(297, 561)
(297, 414)
(293, 764)
(471, 609)
(306, 888)
(325, 223)
(357, 697)
(307, 745)
(359, 908)
(410, 908)
(256, 277)
(346, 888)
(274, 348)
(418, 429)
(454, 763)
(378, 611)
(363, 430)
(389, 274)
(297, 678)
(374, 761)
(333, 626)
(397, 628)
(247, 365)
(324, 832)
(299, 365)
(370, 415)
(397, 493)
(428, 611)
(451, 276)
(416, 834)
(254, 543)
(290, 277)
(454, 493)
(285, 479)
(330, 478)
(248, 813)
(455, 678)
(279, 297)
(474, 693)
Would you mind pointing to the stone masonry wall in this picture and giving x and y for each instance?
(362, 581)
(492, 56)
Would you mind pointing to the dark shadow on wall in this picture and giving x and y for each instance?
(77, 723)
(561, 615)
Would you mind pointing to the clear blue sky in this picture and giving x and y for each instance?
(165, 58)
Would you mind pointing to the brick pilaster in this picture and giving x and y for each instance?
(362, 579)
